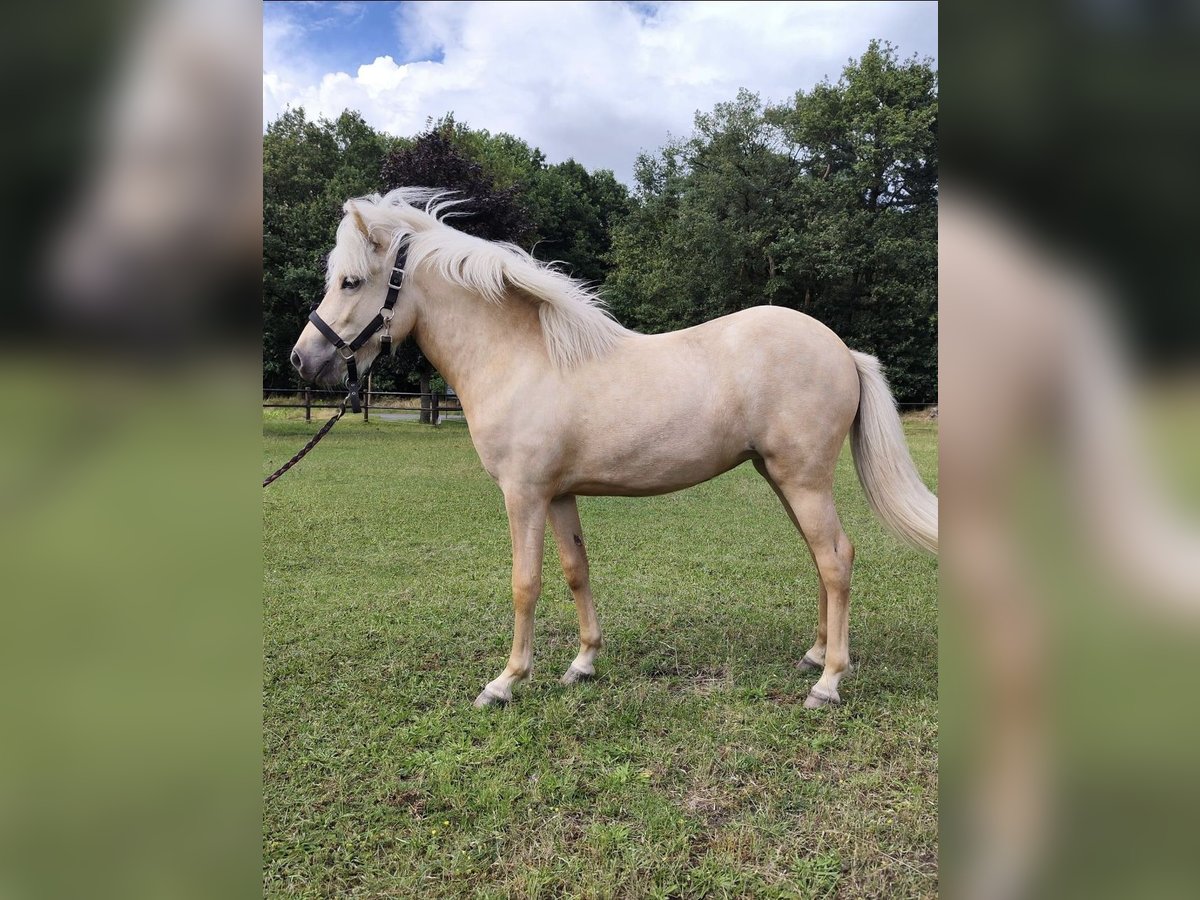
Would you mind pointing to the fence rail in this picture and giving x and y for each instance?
(433, 406)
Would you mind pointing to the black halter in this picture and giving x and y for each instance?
(383, 319)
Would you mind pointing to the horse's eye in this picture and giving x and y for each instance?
(349, 284)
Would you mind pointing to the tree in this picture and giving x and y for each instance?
(574, 211)
(561, 213)
(710, 207)
(309, 170)
(827, 204)
(865, 249)
(436, 160)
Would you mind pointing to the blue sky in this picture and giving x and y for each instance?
(341, 36)
(596, 82)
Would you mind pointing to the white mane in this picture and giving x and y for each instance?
(575, 325)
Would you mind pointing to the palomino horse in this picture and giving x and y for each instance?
(545, 376)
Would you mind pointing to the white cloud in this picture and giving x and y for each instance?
(593, 81)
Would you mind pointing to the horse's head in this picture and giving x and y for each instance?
(356, 287)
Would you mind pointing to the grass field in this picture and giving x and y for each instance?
(688, 768)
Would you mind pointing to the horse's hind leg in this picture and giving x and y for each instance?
(568, 535)
(814, 657)
(834, 556)
(812, 511)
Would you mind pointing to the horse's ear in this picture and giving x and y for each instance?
(361, 224)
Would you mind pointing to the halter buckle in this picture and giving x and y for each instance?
(392, 281)
(353, 389)
(386, 313)
(346, 352)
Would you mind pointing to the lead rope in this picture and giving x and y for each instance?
(312, 443)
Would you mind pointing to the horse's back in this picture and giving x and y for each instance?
(748, 361)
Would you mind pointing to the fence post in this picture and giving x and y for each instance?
(307, 405)
(367, 402)
(433, 413)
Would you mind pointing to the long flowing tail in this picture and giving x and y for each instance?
(889, 478)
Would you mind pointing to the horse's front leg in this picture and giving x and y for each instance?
(527, 527)
(568, 535)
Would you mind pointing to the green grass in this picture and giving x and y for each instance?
(688, 768)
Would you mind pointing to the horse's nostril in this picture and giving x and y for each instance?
(297, 362)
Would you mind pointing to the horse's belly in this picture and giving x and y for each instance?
(642, 474)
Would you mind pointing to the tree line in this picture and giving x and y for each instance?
(825, 203)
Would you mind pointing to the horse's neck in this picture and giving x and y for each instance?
(476, 344)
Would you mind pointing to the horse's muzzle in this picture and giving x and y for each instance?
(316, 369)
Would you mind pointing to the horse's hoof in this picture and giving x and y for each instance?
(818, 698)
(574, 676)
(488, 697)
(808, 664)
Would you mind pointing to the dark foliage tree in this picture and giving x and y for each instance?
(561, 212)
(436, 160)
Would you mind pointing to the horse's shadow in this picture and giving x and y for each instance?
(710, 655)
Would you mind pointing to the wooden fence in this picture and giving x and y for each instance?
(433, 405)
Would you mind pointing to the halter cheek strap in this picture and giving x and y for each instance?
(383, 319)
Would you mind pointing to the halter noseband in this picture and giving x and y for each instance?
(383, 319)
